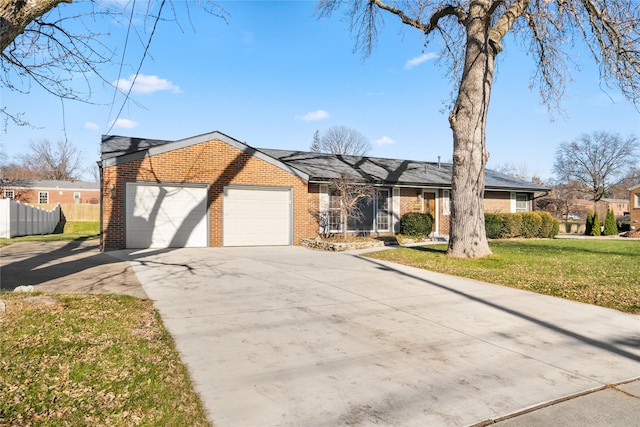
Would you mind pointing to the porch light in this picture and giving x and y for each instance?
(113, 191)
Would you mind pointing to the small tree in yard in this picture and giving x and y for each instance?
(595, 225)
(588, 225)
(610, 226)
(348, 198)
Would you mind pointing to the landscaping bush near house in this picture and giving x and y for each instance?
(610, 226)
(550, 226)
(416, 224)
(531, 223)
(493, 225)
(525, 224)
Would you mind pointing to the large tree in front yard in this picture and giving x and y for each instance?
(471, 35)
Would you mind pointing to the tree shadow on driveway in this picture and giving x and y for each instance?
(615, 346)
(68, 267)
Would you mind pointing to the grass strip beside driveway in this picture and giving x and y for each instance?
(103, 360)
(78, 230)
(600, 272)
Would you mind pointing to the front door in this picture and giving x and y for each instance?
(429, 205)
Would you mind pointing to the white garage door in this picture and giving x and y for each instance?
(256, 216)
(162, 216)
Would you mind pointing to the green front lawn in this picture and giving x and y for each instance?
(78, 230)
(90, 360)
(601, 272)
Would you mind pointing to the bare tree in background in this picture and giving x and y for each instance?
(470, 33)
(596, 162)
(343, 140)
(521, 171)
(57, 44)
(46, 161)
(347, 200)
(315, 145)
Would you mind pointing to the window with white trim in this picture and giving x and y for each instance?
(9, 194)
(446, 202)
(382, 218)
(637, 204)
(522, 202)
(43, 197)
(335, 222)
(374, 214)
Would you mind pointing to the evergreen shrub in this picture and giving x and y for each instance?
(416, 224)
(531, 223)
(595, 229)
(588, 226)
(526, 224)
(610, 226)
(493, 225)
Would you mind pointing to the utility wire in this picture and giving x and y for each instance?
(144, 55)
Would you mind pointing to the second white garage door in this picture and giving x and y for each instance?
(161, 216)
(256, 216)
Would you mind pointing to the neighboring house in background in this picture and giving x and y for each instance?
(634, 207)
(35, 192)
(212, 190)
(620, 207)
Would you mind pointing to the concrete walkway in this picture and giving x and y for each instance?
(289, 336)
(66, 267)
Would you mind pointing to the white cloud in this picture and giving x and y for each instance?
(414, 62)
(146, 84)
(385, 140)
(124, 124)
(314, 116)
(91, 126)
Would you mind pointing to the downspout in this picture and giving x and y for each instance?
(101, 203)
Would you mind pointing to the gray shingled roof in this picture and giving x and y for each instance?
(115, 146)
(323, 167)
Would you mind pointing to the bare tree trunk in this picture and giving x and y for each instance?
(15, 15)
(468, 121)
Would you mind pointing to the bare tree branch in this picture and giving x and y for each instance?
(344, 140)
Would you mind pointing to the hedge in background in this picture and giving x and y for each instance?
(525, 224)
(416, 224)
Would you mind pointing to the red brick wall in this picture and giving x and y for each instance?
(213, 162)
(497, 201)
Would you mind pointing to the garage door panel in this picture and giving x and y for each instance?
(166, 216)
(257, 217)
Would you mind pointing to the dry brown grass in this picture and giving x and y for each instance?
(99, 360)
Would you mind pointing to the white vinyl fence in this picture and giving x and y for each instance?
(17, 219)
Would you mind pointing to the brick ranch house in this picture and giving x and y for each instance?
(212, 190)
(36, 192)
(634, 207)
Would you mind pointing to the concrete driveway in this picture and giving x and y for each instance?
(289, 336)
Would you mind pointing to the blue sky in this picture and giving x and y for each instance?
(273, 74)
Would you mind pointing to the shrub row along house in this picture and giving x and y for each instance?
(212, 190)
